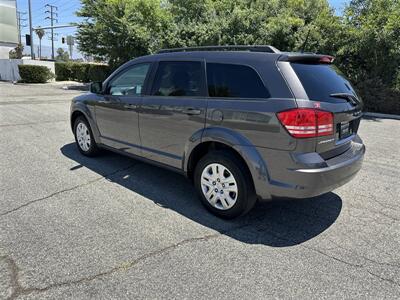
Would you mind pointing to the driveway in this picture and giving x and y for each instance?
(113, 227)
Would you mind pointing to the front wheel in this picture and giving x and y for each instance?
(224, 185)
(84, 137)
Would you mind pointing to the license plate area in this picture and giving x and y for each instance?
(345, 129)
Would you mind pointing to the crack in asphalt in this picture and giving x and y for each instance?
(18, 290)
(32, 123)
(66, 190)
(384, 279)
(358, 266)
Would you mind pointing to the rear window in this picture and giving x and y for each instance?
(319, 81)
(237, 81)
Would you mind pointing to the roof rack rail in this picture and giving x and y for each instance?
(256, 48)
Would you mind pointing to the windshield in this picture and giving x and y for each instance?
(320, 81)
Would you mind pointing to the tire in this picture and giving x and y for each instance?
(226, 204)
(85, 141)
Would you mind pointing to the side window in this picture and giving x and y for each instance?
(180, 78)
(129, 82)
(237, 81)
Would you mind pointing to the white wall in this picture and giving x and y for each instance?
(5, 52)
(9, 67)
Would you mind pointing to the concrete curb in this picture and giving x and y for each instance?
(381, 116)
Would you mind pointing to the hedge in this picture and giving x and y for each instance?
(378, 97)
(34, 74)
(82, 72)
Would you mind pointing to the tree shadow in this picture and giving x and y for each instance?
(280, 223)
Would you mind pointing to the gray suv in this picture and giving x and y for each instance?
(242, 122)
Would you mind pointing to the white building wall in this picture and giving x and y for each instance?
(4, 52)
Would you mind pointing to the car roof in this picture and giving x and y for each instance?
(210, 55)
(230, 56)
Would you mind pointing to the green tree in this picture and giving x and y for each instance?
(365, 40)
(371, 40)
(62, 55)
(119, 30)
(40, 33)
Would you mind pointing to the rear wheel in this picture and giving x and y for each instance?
(224, 184)
(84, 137)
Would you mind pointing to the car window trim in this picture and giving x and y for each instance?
(203, 86)
(236, 64)
(124, 70)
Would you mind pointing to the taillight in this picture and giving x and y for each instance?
(326, 59)
(307, 122)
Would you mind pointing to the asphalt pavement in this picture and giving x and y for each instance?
(73, 227)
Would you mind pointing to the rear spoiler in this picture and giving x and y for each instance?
(307, 58)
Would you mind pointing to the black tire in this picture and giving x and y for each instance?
(246, 197)
(93, 149)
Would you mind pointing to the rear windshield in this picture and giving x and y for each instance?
(320, 81)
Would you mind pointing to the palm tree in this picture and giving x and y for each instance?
(40, 33)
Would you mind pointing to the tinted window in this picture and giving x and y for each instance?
(178, 79)
(129, 82)
(319, 81)
(226, 80)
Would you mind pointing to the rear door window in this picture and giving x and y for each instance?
(320, 81)
(236, 81)
(179, 78)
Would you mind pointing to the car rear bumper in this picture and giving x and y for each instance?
(314, 177)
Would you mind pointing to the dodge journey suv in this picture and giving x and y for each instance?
(242, 122)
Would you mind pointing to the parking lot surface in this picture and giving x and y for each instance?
(114, 227)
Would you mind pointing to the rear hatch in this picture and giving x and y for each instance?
(328, 90)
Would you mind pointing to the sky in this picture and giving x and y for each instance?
(66, 14)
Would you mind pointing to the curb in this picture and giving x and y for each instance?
(381, 116)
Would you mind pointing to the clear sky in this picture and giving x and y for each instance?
(66, 9)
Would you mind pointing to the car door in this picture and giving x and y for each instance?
(117, 113)
(174, 110)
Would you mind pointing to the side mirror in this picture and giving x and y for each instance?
(96, 87)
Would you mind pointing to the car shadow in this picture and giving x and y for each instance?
(280, 223)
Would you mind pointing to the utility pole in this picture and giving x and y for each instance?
(52, 13)
(21, 24)
(30, 29)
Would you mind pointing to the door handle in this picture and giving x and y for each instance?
(191, 111)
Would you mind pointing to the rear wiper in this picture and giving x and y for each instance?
(347, 96)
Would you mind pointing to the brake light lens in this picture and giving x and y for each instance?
(307, 122)
(327, 59)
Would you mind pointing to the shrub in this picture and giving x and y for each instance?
(34, 74)
(396, 83)
(83, 72)
(379, 97)
(80, 72)
(99, 72)
(63, 71)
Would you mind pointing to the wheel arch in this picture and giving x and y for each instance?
(220, 139)
(80, 110)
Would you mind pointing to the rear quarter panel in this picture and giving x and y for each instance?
(255, 119)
